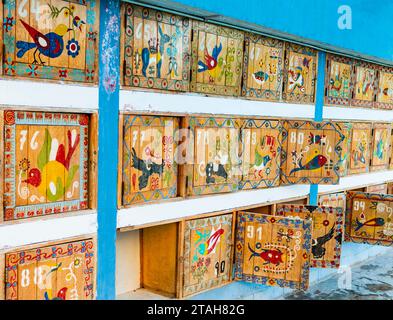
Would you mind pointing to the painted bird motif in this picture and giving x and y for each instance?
(316, 139)
(50, 45)
(61, 295)
(209, 246)
(53, 175)
(260, 77)
(375, 222)
(148, 168)
(317, 248)
(273, 256)
(77, 22)
(316, 162)
(296, 79)
(261, 161)
(211, 61)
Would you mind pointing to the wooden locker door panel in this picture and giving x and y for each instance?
(360, 148)
(377, 188)
(338, 84)
(299, 74)
(333, 200)
(217, 58)
(365, 84)
(156, 49)
(71, 30)
(213, 160)
(58, 272)
(380, 152)
(149, 160)
(368, 218)
(262, 68)
(327, 231)
(207, 253)
(311, 152)
(273, 250)
(385, 89)
(47, 163)
(261, 153)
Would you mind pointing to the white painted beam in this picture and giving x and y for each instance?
(357, 114)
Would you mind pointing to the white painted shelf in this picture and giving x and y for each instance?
(357, 114)
(26, 232)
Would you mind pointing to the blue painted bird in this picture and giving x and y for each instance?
(78, 22)
(315, 163)
(211, 61)
(50, 45)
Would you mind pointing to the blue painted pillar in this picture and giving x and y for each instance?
(109, 68)
(319, 100)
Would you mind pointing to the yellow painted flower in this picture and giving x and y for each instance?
(72, 8)
(77, 262)
(66, 13)
(24, 164)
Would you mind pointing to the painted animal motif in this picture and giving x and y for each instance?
(335, 84)
(55, 166)
(270, 256)
(210, 61)
(379, 149)
(215, 170)
(358, 155)
(375, 222)
(148, 168)
(210, 245)
(315, 163)
(50, 45)
(316, 139)
(260, 77)
(318, 250)
(77, 22)
(61, 295)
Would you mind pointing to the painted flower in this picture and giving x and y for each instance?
(77, 262)
(24, 164)
(73, 48)
(200, 262)
(154, 183)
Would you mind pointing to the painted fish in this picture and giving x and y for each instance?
(375, 222)
(260, 77)
(273, 256)
(315, 163)
(316, 139)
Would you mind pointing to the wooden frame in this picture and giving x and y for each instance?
(22, 186)
(272, 273)
(364, 82)
(327, 231)
(368, 218)
(49, 250)
(360, 148)
(78, 59)
(217, 59)
(346, 129)
(261, 153)
(299, 73)
(168, 49)
(381, 142)
(139, 183)
(384, 99)
(262, 67)
(338, 80)
(318, 142)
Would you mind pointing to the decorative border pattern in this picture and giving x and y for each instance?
(14, 68)
(274, 95)
(202, 223)
(57, 251)
(13, 118)
(305, 225)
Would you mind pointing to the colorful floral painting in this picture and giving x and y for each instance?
(55, 40)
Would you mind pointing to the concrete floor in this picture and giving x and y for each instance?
(371, 280)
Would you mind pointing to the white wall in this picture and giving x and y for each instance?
(128, 266)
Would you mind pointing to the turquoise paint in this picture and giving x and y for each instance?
(109, 63)
(316, 21)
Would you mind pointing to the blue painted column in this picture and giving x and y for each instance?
(319, 100)
(109, 68)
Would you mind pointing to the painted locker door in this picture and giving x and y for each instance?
(365, 84)
(58, 272)
(263, 67)
(217, 58)
(207, 253)
(338, 85)
(213, 161)
(327, 231)
(300, 73)
(346, 130)
(333, 200)
(46, 163)
(70, 28)
(381, 140)
(149, 160)
(261, 153)
(156, 49)
(311, 152)
(369, 218)
(360, 148)
(377, 188)
(273, 250)
(385, 88)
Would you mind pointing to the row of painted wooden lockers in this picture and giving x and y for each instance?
(273, 245)
(169, 52)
